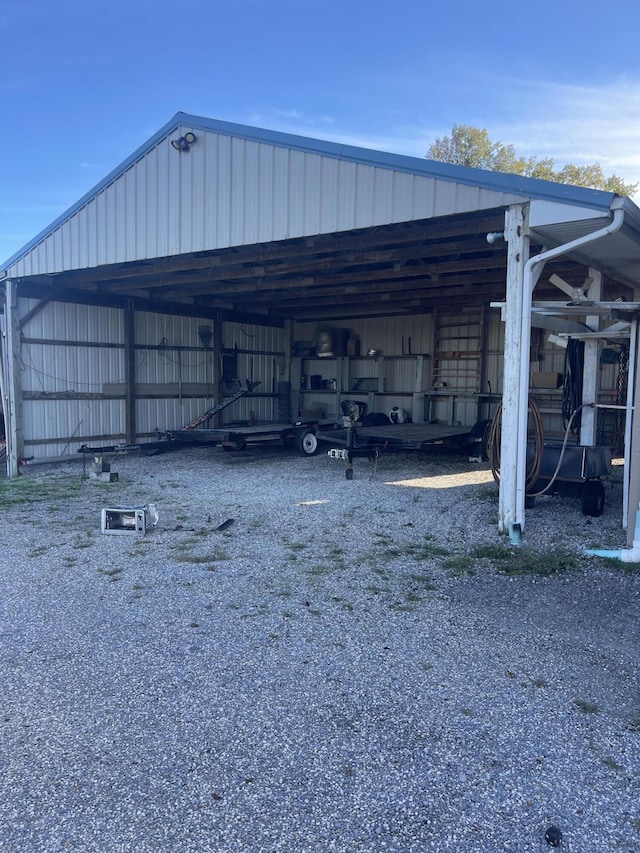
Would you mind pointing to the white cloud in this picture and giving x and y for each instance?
(292, 121)
(570, 123)
(577, 124)
(409, 141)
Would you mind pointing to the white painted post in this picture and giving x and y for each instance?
(632, 438)
(588, 418)
(631, 466)
(13, 391)
(515, 350)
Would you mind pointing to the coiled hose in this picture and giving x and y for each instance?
(494, 439)
(495, 435)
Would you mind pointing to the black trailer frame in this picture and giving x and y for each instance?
(369, 441)
(304, 434)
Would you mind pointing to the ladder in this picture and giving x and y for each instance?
(205, 416)
(457, 357)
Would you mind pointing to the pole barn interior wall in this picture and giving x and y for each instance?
(73, 373)
(67, 353)
(74, 382)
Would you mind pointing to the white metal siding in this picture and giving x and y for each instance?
(78, 349)
(229, 192)
(61, 426)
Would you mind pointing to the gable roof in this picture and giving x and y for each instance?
(161, 195)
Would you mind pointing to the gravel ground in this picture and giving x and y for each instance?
(350, 666)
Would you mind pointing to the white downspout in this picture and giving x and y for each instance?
(528, 285)
(625, 555)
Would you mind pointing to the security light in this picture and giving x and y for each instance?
(184, 142)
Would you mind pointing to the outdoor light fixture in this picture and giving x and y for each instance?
(185, 142)
(493, 236)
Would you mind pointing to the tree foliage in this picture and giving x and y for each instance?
(472, 146)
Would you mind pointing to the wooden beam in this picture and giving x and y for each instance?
(35, 310)
(358, 290)
(376, 236)
(179, 309)
(128, 319)
(216, 357)
(190, 279)
(226, 290)
(12, 404)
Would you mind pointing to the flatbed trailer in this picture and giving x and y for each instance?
(369, 441)
(304, 434)
(407, 436)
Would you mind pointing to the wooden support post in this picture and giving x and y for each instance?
(216, 373)
(290, 370)
(12, 401)
(417, 409)
(482, 379)
(515, 349)
(130, 373)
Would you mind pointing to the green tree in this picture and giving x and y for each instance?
(472, 146)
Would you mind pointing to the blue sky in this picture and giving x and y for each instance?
(85, 82)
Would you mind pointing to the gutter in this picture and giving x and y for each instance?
(617, 209)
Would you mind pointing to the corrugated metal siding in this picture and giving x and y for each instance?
(55, 368)
(70, 349)
(171, 356)
(229, 191)
(56, 427)
(250, 336)
(70, 322)
(260, 358)
(79, 350)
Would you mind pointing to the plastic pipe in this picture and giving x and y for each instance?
(625, 555)
(529, 282)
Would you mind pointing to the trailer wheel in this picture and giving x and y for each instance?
(307, 443)
(593, 498)
(230, 448)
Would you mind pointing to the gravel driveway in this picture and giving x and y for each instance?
(360, 665)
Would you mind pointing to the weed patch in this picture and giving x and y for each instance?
(586, 707)
(495, 553)
(213, 556)
(38, 552)
(543, 564)
(460, 564)
(48, 488)
(487, 493)
(112, 574)
(634, 724)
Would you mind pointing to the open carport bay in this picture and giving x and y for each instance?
(348, 666)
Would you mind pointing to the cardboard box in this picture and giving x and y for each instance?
(547, 380)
